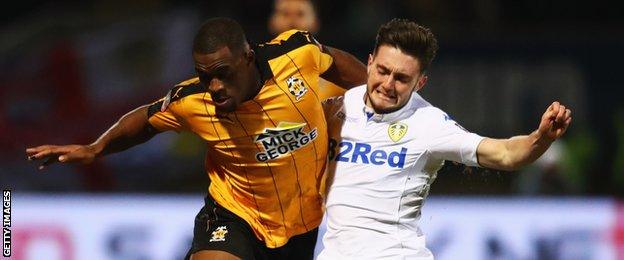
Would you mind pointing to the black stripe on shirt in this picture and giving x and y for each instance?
(176, 93)
(266, 52)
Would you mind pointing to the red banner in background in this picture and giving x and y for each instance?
(46, 239)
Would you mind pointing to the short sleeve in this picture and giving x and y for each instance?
(307, 45)
(163, 117)
(450, 141)
(323, 60)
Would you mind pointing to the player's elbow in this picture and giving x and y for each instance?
(494, 154)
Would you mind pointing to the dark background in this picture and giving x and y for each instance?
(68, 71)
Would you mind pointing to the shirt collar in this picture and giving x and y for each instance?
(400, 114)
(404, 112)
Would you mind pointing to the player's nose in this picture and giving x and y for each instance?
(215, 86)
(388, 83)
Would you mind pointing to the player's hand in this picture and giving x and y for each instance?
(555, 121)
(61, 153)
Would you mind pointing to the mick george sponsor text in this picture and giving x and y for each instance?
(286, 138)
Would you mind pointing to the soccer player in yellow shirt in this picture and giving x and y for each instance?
(259, 111)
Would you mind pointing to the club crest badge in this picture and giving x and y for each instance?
(219, 234)
(396, 131)
(297, 87)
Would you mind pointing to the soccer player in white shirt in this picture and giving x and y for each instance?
(387, 143)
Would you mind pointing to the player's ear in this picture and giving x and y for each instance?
(369, 64)
(420, 83)
(250, 56)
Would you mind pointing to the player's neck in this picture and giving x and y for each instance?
(257, 83)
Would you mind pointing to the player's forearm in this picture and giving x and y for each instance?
(347, 71)
(513, 153)
(131, 129)
(523, 150)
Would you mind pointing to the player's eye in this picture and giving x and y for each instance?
(203, 77)
(225, 74)
(402, 79)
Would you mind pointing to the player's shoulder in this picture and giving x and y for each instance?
(300, 36)
(437, 120)
(285, 43)
(431, 111)
(356, 92)
(188, 82)
(429, 114)
(348, 103)
(181, 90)
(185, 88)
(300, 44)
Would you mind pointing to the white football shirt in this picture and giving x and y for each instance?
(380, 169)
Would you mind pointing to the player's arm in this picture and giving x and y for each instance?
(346, 70)
(518, 151)
(131, 129)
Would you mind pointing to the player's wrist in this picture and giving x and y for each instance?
(95, 148)
(541, 138)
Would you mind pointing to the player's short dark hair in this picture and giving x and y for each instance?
(411, 38)
(217, 33)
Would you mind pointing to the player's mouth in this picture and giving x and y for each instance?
(221, 101)
(385, 97)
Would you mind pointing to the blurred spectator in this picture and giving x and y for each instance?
(293, 14)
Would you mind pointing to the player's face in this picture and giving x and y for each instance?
(227, 77)
(293, 14)
(392, 77)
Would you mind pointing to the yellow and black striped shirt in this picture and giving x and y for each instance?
(265, 160)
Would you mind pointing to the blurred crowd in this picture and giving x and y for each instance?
(68, 71)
